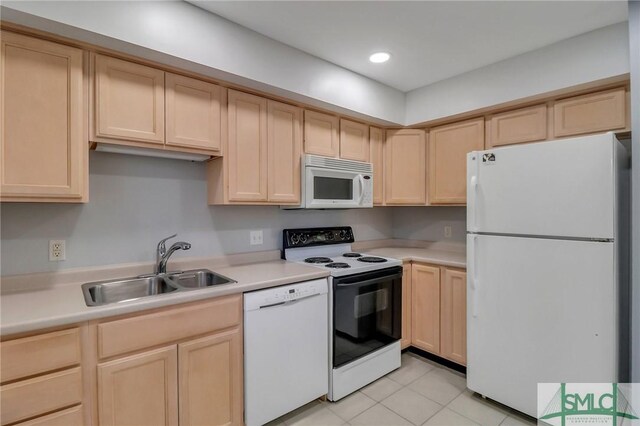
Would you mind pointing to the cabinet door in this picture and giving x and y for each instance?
(453, 315)
(193, 113)
(595, 112)
(321, 134)
(376, 144)
(405, 167)
(140, 389)
(354, 140)
(43, 145)
(522, 125)
(284, 152)
(247, 153)
(448, 148)
(129, 101)
(210, 383)
(406, 306)
(425, 308)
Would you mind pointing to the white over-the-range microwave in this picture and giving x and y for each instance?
(333, 183)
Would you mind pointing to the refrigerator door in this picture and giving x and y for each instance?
(563, 188)
(538, 310)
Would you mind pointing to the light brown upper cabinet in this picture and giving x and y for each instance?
(453, 315)
(448, 148)
(193, 113)
(129, 102)
(262, 159)
(405, 172)
(247, 150)
(354, 140)
(425, 308)
(590, 113)
(321, 135)
(284, 126)
(522, 125)
(43, 141)
(376, 145)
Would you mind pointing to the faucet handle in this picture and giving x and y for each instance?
(161, 247)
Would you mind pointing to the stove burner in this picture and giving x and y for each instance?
(338, 265)
(372, 259)
(352, 255)
(317, 260)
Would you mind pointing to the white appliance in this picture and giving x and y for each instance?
(365, 318)
(286, 354)
(333, 183)
(547, 249)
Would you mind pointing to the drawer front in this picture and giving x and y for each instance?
(69, 417)
(29, 398)
(39, 354)
(148, 330)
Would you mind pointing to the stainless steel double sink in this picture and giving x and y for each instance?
(113, 291)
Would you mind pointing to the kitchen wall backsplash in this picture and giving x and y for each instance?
(136, 201)
(420, 223)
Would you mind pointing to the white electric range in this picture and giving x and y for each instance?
(365, 305)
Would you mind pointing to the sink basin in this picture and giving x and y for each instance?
(105, 292)
(199, 278)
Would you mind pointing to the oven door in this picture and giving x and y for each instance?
(367, 313)
(329, 188)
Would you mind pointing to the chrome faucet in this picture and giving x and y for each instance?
(162, 254)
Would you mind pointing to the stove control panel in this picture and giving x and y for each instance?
(308, 237)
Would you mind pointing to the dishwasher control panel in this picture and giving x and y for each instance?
(287, 293)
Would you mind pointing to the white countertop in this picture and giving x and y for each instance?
(39, 301)
(457, 259)
(61, 304)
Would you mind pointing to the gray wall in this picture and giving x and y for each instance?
(634, 41)
(591, 56)
(427, 223)
(135, 201)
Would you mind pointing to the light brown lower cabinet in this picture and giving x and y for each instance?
(210, 380)
(140, 389)
(192, 379)
(438, 311)
(453, 315)
(425, 307)
(405, 342)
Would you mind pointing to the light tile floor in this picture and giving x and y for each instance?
(420, 392)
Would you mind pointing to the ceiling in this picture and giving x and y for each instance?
(428, 41)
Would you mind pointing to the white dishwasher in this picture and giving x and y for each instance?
(286, 349)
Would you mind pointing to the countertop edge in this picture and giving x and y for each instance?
(143, 304)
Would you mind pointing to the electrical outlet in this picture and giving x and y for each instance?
(57, 250)
(255, 238)
(447, 231)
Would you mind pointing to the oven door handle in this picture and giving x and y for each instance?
(371, 281)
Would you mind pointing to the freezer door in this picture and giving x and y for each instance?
(562, 188)
(538, 310)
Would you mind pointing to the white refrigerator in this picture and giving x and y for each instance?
(547, 259)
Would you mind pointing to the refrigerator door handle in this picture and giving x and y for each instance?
(474, 277)
(472, 202)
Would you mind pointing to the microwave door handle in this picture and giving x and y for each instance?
(361, 180)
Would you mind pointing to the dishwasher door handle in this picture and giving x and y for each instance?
(288, 302)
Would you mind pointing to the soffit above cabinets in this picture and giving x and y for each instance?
(428, 41)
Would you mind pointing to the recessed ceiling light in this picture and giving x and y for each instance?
(379, 57)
